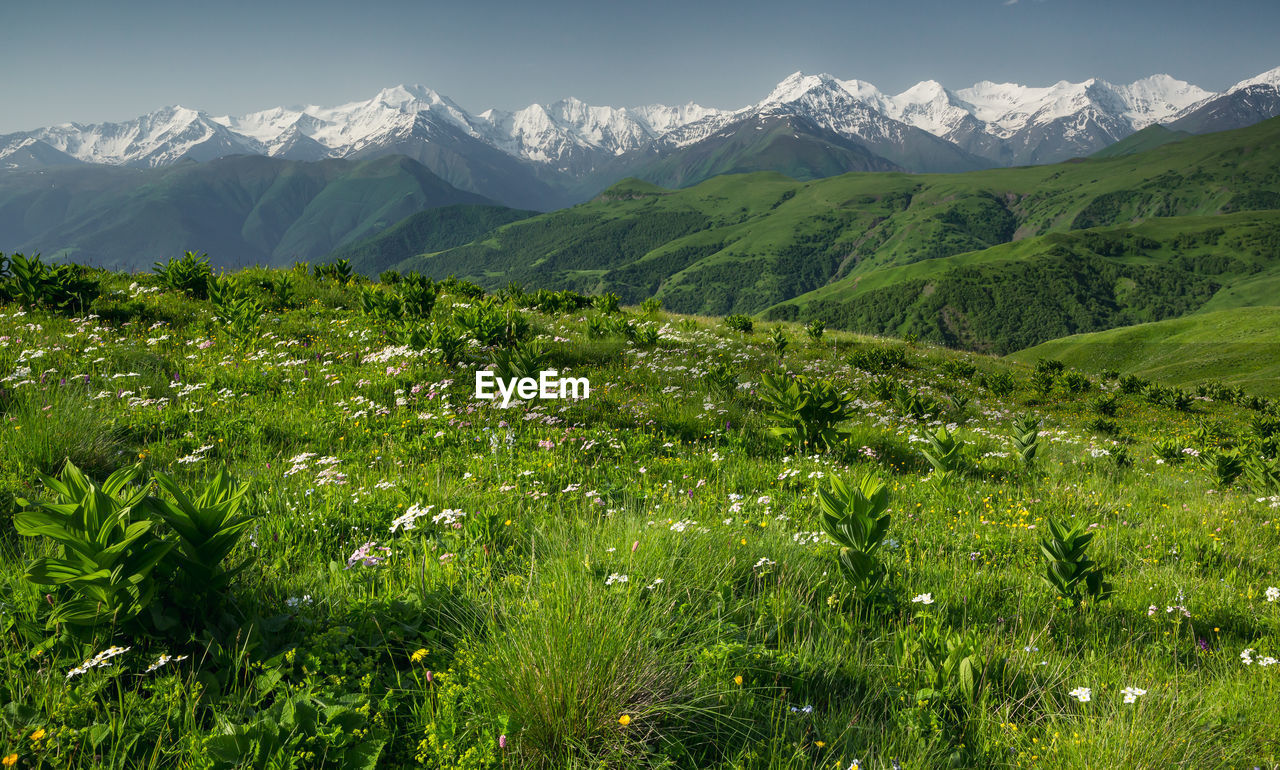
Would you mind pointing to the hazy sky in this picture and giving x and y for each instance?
(91, 61)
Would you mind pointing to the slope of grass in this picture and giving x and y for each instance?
(1236, 347)
(637, 579)
(1148, 138)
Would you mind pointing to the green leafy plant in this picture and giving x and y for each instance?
(208, 524)
(807, 412)
(1262, 474)
(1169, 450)
(107, 549)
(1224, 466)
(239, 310)
(739, 323)
(417, 295)
(519, 361)
(945, 454)
(815, 330)
(380, 306)
(722, 377)
(651, 306)
(879, 359)
(1106, 404)
(338, 270)
(189, 274)
(780, 340)
(32, 283)
(1026, 438)
(1068, 570)
(284, 287)
(608, 303)
(448, 344)
(647, 335)
(1001, 383)
(856, 518)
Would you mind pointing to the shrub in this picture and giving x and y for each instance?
(945, 454)
(807, 412)
(1132, 383)
(189, 274)
(109, 548)
(722, 378)
(879, 360)
(338, 270)
(999, 383)
(815, 330)
(856, 518)
(32, 283)
(107, 551)
(608, 303)
(1224, 467)
(1026, 438)
(1068, 569)
(779, 339)
(740, 323)
(1106, 404)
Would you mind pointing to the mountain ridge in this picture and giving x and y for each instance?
(565, 151)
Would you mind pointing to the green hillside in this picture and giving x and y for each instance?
(748, 243)
(437, 228)
(1237, 347)
(1018, 294)
(1149, 138)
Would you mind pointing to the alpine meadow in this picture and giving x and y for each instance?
(846, 430)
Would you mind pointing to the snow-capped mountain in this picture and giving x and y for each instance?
(927, 127)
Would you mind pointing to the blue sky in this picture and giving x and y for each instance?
(93, 61)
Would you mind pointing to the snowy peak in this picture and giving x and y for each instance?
(1268, 78)
(1002, 122)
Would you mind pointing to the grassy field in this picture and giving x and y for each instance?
(642, 578)
(1237, 347)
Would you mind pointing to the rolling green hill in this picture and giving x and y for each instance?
(804, 250)
(1237, 347)
(437, 228)
(1149, 138)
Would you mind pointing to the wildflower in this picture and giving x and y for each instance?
(1273, 594)
(38, 734)
(615, 578)
(10, 760)
(164, 660)
(367, 555)
(98, 661)
(418, 656)
(1267, 661)
(1131, 694)
(624, 720)
(764, 562)
(502, 741)
(1246, 657)
(738, 680)
(922, 599)
(1082, 694)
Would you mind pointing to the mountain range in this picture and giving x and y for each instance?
(545, 157)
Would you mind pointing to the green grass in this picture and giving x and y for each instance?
(1235, 347)
(513, 640)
